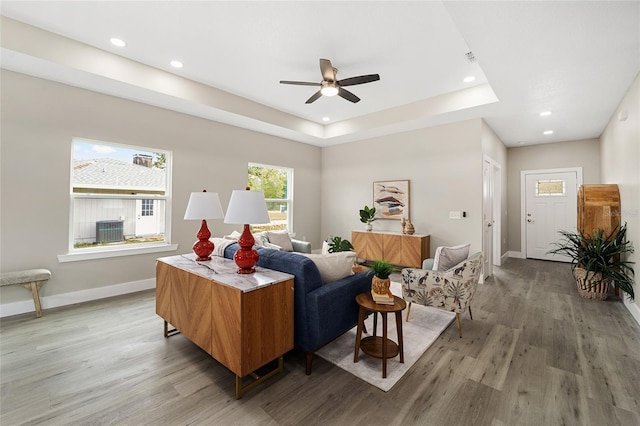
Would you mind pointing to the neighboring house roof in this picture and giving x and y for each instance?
(107, 173)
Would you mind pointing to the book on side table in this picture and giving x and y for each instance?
(382, 298)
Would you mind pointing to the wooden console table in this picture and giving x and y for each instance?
(394, 247)
(243, 321)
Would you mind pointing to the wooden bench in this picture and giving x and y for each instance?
(31, 279)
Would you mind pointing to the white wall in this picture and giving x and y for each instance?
(582, 153)
(620, 164)
(444, 165)
(39, 119)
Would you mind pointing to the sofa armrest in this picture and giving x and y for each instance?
(301, 246)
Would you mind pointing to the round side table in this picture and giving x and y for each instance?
(376, 346)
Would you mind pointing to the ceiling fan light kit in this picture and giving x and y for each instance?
(330, 86)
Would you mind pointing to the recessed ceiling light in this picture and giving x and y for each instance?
(548, 132)
(176, 64)
(469, 79)
(117, 42)
(326, 119)
(545, 113)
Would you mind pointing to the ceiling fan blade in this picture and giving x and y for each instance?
(299, 83)
(314, 97)
(352, 81)
(344, 93)
(327, 70)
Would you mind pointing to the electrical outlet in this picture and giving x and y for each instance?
(455, 215)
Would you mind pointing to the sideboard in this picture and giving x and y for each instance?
(394, 247)
(243, 321)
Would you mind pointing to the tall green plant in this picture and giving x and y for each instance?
(602, 254)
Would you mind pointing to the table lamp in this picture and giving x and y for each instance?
(203, 205)
(245, 207)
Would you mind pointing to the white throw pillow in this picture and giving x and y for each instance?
(333, 266)
(280, 238)
(233, 236)
(448, 257)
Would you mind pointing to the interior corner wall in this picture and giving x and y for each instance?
(620, 164)
(581, 153)
(443, 164)
(495, 149)
(40, 118)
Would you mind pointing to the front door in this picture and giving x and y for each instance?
(551, 205)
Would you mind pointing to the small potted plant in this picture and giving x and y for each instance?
(381, 270)
(596, 261)
(368, 215)
(337, 244)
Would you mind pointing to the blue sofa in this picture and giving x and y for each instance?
(322, 312)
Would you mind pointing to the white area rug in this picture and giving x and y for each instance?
(424, 326)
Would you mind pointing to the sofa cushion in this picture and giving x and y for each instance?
(448, 257)
(280, 238)
(333, 266)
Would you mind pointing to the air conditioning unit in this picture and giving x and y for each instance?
(109, 231)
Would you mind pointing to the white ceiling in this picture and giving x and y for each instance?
(575, 59)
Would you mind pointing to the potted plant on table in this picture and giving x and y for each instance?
(596, 261)
(368, 215)
(381, 270)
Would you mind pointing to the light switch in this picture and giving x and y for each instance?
(455, 215)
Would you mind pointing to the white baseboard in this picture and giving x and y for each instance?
(56, 300)
(633, 308)
(516, 254)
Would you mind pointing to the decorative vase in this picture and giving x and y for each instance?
(408, 228)
(403, 223)
(368, 227)
(585, 287)
(380, 285)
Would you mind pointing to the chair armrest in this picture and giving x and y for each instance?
(301, 246)
(427, 263)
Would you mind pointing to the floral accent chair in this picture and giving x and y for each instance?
(451, 290)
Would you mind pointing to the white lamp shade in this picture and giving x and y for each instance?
(247, 207)
(204, 205)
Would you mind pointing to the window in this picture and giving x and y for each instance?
(550, 188)
(119, 197)
(277, 185)
(147, 207)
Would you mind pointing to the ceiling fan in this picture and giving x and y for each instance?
(329, 86)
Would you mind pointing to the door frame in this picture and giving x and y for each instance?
(495, 178)
(523, 199)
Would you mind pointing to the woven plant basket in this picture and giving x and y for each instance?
(588, 291)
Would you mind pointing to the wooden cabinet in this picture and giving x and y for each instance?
(398, 249)
(598, 208)
(243, 321)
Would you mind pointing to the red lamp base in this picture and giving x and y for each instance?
(203, 247)
(246, 256)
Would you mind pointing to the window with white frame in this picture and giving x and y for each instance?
(277, 185)
(119, 196)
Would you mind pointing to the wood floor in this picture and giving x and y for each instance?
(535, 354)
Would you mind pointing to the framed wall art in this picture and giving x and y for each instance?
(391, 199)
